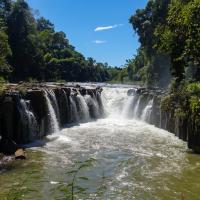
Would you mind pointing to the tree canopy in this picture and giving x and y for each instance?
(168, 30)
(30, 48)
(169, 33)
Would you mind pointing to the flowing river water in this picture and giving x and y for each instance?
(131, 160)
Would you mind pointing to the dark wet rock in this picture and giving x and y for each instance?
(132, 92)
(7, 110)
(38, 103)
(77, 86)
(7, 146)
(99, 89)
(63, 105)
(167, 119)
(21, 101)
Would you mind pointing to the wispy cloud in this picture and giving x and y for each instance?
(100, 41)
(103, 28)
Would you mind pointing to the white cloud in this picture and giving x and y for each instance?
(100, 41)
(103, 28)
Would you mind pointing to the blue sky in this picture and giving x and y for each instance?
(97, 28)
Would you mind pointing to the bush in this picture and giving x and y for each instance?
(2, 85)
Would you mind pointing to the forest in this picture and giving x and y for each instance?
(169, 34)
(31, 50)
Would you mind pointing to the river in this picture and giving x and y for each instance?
(129, 159)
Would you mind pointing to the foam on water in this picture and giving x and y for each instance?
(134, 160)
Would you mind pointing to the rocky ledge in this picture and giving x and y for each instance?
(165, 112)
(31, 111)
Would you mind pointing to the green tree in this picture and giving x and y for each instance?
(23, 41)
(144, 22)
(44, 24)
(180, 37)
(5, 51)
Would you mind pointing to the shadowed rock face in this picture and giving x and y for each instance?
(25, 114)
(182, 127)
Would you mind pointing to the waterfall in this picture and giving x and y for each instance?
(73, 110)
(147, 111)
(55, 103)
(136, 108)
(93, 106)
(54, 125)
(28, 119)
(128, 107)
(84, 110)
(100, 103)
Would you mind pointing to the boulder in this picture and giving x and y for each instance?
(20, 154)
(7, 146)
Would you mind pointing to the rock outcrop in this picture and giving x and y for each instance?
(26, 109)
(180, 124)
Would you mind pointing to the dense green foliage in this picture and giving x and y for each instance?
(168, 30)
(5, 51)
(31, 49)
(150, 65)
(180, 38)
(169, 33)
(183, 102)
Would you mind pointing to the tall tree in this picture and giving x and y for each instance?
(23, 41)
(144, 23)
(180, 37)
(5, 51)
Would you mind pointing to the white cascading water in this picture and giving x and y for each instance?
(136, 108)
(91, 102)
(54, 103)
(28, 119)
(127, 111)
(65, 95)
(129, 108)
(147, 111)
(100, 104)
(133, 160)
(54, 124)
(73, 110)
(84, 110)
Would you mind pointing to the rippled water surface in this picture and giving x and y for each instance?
(132, 160)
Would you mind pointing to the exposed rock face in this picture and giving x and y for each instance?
(181, 126)
(7, 146)
(25, 114)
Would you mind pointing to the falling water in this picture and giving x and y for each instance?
(54, 125)
(54, 103)
(93, 106)
(28, 120)
(128, 107)
(73, 109)
(100, 103)
(136, 108)
(84, 110)
(147, 111)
